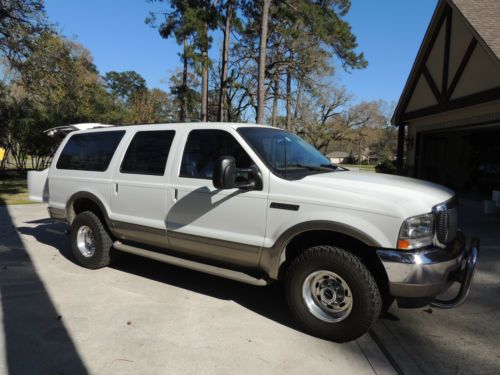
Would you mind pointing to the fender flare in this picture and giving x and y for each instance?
(271, 257)
(70, 213)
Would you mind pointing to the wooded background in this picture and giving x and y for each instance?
(276, 66)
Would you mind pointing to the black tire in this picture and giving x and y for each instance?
(366, 302)
(103, 242)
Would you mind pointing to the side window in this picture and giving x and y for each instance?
(148, 152)
(90, 151)
(204, 147)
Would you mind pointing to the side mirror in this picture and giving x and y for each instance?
(224, 176)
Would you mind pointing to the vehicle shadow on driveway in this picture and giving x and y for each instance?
(268, 301)
(35, 337)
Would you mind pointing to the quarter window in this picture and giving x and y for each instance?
(148, 152)
(90, 151)
(204, 147)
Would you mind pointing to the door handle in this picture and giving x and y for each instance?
(175, 194)
(116, 188)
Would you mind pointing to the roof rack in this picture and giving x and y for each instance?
(70, 128)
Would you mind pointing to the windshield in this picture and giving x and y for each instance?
(285, 153)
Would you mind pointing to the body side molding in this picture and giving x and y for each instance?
(284, 206)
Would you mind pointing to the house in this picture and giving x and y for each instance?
(449, 112)
(369, 157)
(338, 157)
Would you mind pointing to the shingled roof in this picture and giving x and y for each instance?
(484, 17)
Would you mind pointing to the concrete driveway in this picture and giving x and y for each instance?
(141, 316)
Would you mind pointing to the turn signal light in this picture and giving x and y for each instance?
(403, 244)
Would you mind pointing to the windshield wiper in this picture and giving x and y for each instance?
(322, 167)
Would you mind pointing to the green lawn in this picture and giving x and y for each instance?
(362, 167)
(13, 191)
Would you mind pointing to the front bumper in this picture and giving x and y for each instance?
(424, 274)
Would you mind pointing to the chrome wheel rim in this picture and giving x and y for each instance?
(85, 241)
(327, 296)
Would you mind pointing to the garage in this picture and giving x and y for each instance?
(464, 159)
(449, 112)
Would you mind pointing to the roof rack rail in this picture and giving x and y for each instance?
(65, 129)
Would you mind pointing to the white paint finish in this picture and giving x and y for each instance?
(436, 57)
(142, 203)
(422, 96)
(62, 189)
(202, 210)
(135, 198)
(38, 186)
(231, 215)
(63, 183)
(375, 204)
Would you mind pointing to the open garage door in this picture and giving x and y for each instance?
(463, 159)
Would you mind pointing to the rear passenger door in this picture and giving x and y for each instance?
(139, 188)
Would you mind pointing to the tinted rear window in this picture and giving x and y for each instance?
(90, 152)
(148, 153)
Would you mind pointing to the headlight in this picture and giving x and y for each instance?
(416, 232)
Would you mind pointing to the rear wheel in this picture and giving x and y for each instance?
(332, 294)
(90, 241)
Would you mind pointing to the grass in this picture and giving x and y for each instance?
(13, 191)
(362, 167)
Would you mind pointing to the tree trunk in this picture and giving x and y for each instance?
(184, 109)
(297, 103)
(225, 53)
(288, 98)
(261, 92)
(274, 116)
(204, 86)
(204, 74)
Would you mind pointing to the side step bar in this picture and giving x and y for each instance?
(190, 264)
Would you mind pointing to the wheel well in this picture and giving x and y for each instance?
(358, 248)
(85, 204)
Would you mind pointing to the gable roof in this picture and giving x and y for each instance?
(482, 18)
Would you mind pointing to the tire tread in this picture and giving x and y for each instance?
(102, 257)
(343, 259)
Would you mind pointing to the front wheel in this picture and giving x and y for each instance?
(332, 294)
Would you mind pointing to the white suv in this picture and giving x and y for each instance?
(258, 205)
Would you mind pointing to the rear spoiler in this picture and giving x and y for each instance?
(63, 130)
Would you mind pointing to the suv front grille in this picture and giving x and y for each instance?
(446, 221)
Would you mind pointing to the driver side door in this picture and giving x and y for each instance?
(226, 225)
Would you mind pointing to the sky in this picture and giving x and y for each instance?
(389, 33)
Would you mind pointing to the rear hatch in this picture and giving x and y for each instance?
(38, 183)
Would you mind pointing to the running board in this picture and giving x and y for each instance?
(190, 264)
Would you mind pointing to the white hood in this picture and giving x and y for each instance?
(376, 192)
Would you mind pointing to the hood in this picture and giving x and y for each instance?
(394, 195)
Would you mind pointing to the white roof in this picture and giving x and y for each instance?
(186, 125)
